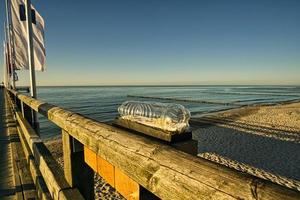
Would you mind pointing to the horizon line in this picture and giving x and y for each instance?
(161, 85)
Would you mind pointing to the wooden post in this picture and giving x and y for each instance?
(18, 104)
(28, 114)
(22, 109)
(77, 172)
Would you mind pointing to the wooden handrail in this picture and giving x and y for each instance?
(42, 163)
(166, 172)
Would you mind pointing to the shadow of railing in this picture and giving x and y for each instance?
(271, 150)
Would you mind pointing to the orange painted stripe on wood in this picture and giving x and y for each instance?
(126, 186)
(90, 158)
(106, 171)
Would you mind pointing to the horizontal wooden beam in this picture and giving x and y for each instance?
(24, 185)
(168, 136)
(47, 166)
(163, 170)
(42, 190)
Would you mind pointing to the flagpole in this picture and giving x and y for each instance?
(5, 57)
(8, 56)
(31, 59)
(7, 5)
(5, 65)
(30, 50)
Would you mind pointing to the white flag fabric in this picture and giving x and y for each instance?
(20, 39)
(5, 64)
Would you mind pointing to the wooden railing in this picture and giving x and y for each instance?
(138, 167)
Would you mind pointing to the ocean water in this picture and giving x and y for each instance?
(101, 102)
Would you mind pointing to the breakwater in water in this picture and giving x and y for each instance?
(101, 102)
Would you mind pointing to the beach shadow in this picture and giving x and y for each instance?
(277, 156)
(285, 133)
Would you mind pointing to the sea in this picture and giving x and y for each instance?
(101, 102)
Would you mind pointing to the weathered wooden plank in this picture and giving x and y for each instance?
(152, 131)
(90, 158)
(29, 134)
(41, 188)
(7, 179)
(77, 172)
(168, 173)
(28, 186)
(126, 186)
(106, 171)
(53, 176)
(154, 165)
(25, 187)
(17, 180)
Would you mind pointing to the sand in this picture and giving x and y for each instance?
(260, 140)
(263, 141)
(102, 189)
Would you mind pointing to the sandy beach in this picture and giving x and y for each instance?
(260, 140)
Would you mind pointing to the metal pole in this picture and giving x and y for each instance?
(5, 57)
(5, 65)
(7, 5)
(30, 50)
(31, 61)
(8, 59)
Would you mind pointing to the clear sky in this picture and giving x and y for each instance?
(108, 42)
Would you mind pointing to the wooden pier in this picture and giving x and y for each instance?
(139, 167)
(7, 186)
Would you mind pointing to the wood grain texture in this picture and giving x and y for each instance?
(152, 131)
(49, 169)
(41, 188)
(159, 167)
(163, 170)
(42, 191)
(106, 171)
(77, 173)
(126, 186)
(7, 167)
(25, 188)
(90, 158)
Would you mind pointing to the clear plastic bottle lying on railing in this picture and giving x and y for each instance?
(166, 116)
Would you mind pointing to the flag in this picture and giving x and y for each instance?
(7, 59)
(20, 38)
(5, 63)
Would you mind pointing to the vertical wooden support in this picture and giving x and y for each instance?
(90, 158)
(22, 109)
(77, 172)
(28, 114)
(18, 103)
(126, 186)
(106, 171)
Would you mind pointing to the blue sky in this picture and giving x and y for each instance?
(117, 42)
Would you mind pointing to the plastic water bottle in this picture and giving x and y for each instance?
(168, 116)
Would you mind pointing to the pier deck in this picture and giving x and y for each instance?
(15, 179)
(7, 186)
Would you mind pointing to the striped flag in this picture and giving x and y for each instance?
(20, 39)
